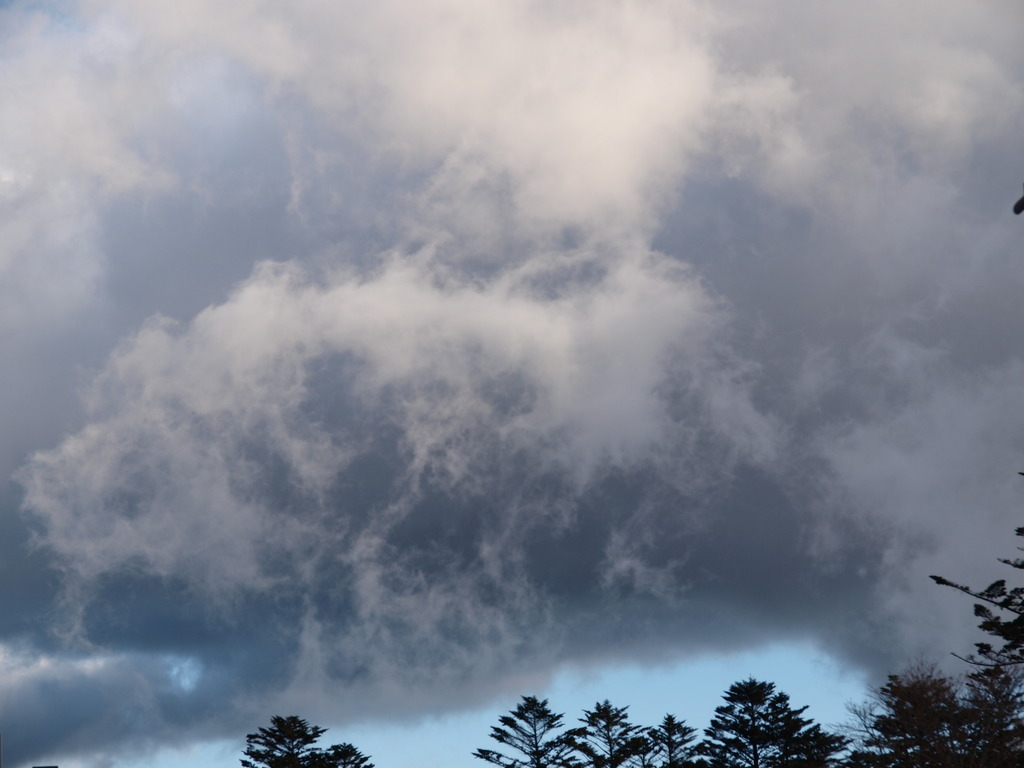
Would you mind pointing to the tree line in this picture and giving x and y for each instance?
(920, 718)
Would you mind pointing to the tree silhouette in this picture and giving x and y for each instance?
(671, 743)
(994, 701)
(1006, 622)
(289, 743)
(914, 720)
(608, 739)
(757, 728)
(922, 719)
(535, 732)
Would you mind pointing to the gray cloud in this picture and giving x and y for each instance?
(411, 349)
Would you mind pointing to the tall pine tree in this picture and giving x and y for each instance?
(608, 739)
(290, 742)
(1001, 611)
(534, 732)
(672, 743)
(757, 728)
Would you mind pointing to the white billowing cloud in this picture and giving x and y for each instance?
(557, 98)
(91, 117)
(65, 141)
(160, 477)
(583, 112)
(570, 115)
(880, 95)
(215, 458)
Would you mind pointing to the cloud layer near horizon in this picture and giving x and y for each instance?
(408, 350)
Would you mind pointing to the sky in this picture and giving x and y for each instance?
(383, 363)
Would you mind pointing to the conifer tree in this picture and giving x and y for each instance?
(672, 743)
(290, 743)
(1001, 611)
(345, 756)
(534, 732)
(608, 739)
(757, 728)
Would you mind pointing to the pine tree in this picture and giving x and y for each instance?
(535, 732)
(608, 739)
(1001, 611)
(757, 728)
(671, 742)
(289, 743)
(345, 756)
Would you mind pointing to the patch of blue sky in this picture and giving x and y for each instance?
(184, 671)
(59, 10)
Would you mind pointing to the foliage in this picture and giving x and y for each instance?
(913, 720)
(345, 756)
(757, 728)
(921, 719)
(534, 731)
(671, 743)
(994, 700)
(608, 739)
(289, 743)
(918, 719)
(1005, 622)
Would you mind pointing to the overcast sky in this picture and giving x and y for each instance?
(375, 360)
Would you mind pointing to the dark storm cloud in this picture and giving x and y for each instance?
(405, 350)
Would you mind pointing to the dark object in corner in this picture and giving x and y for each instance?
(1018, 208)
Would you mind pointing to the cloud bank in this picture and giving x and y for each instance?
(408, 350)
